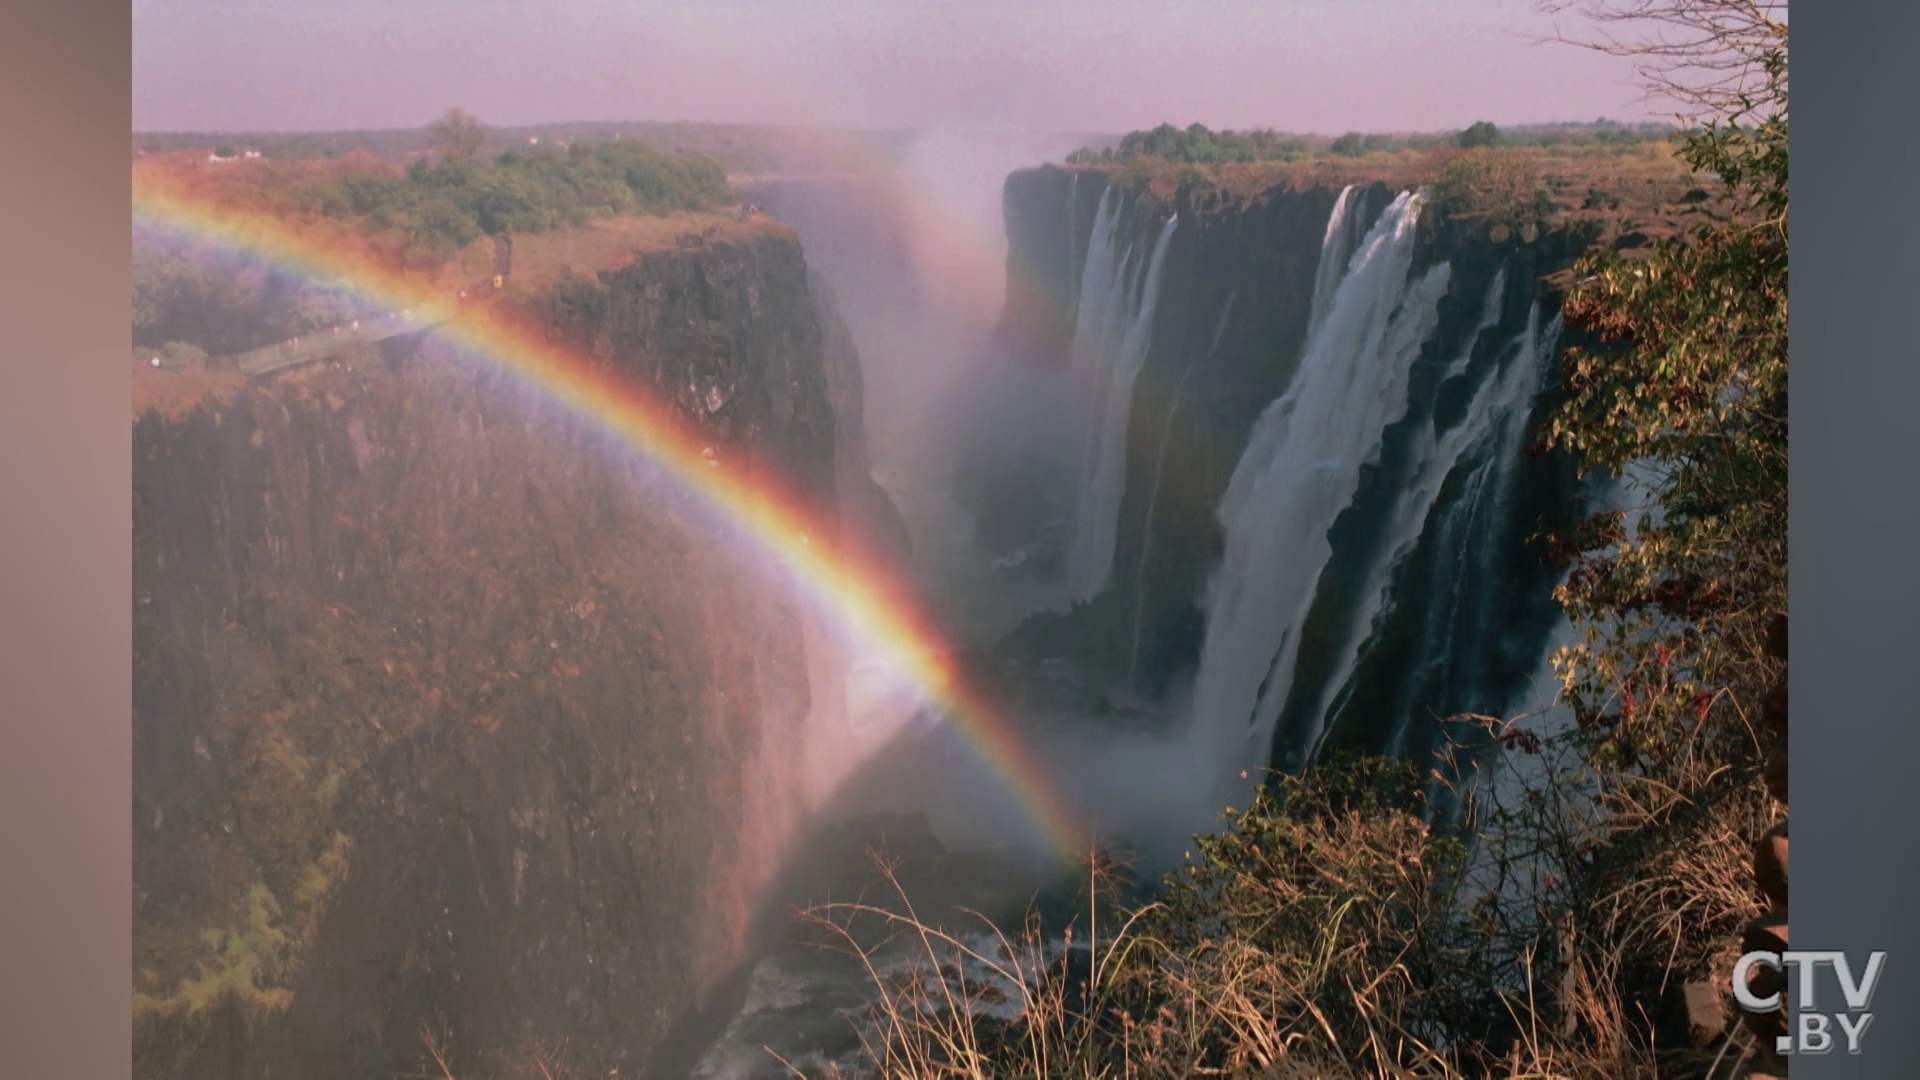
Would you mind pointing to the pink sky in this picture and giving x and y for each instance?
(1299, 65)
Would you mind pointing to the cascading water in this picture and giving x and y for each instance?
(1074, 266)
(1374, 572)
(1301, 467)
(1468, 531)
(1346, 229)
(1504, 394)
(1113, 325)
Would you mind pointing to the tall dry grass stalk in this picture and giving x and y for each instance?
(1341, 927)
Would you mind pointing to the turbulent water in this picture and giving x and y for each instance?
(1113, 327)
(1299, 471)
(1490, 439)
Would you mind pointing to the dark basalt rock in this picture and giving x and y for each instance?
(467, 689)
(1230, 323)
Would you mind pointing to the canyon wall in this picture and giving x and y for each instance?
(1450, 542)
(457, 723)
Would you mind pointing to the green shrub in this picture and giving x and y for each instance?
(442, 206)
(1196, 144)
(1479, 133)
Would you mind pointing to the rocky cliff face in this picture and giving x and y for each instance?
(855, 233)
(1049, 213)
(1469, 613)
(872, 524)
(453, 716)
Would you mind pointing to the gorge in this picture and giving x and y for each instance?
(458, 719)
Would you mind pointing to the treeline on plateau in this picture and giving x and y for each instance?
(445, 205)
(187, 293)
(1196, 144)
(738, 148)
(443, 202)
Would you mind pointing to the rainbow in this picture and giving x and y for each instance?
(872, 606)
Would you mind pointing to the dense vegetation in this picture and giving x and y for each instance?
(1499, 181)
(190, 294)
(1197, 144)
(444, 205)
(189, 299)
(738, 148)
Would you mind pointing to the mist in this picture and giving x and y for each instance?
(980, 450)
(1302, 65)
(922, 313)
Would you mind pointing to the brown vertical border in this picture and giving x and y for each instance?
(65, 575)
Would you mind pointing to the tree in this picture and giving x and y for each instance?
(1684, 385)
(457, 135)
(1479, 133)
(1680, 383)
(1352, 144)
(1712, 57)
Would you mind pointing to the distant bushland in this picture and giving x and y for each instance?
(738, 148)
(417, 217)
(190, 295)
(441, 207)
(435, 206)
(1196, 144)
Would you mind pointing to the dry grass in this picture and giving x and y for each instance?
(540, 1060)
(1333, 930)
(1643, 177)
(541, 259)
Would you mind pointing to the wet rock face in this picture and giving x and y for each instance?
(1231, 321)
(870, 523)
(728, 333)
(1049, 214)
(446, 704)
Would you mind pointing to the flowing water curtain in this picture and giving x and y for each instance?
(1113, 329)
(1301, 467)
(1434, 454)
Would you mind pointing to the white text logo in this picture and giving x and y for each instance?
(1812, 1031)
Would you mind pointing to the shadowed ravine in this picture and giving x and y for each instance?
(1279, 503)
(457, 719)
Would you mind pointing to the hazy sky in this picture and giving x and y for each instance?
(1083, 65)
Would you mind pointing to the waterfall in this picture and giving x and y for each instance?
(1074, 268)
(1302, 467)
(1469, 532)
(1113, 326)
(1153, 490)
(1346, 228)
(1488, 433)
